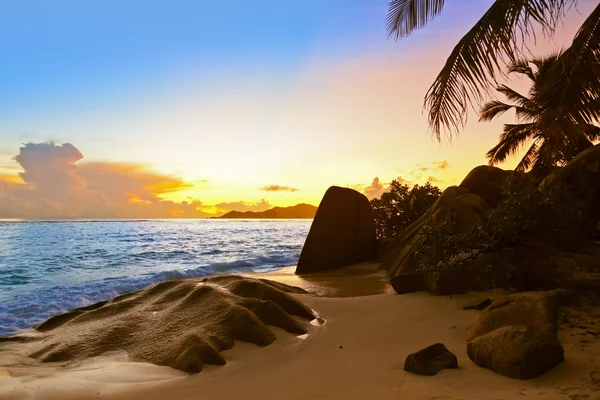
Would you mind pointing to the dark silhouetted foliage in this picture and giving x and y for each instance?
(550, 215)
(400, 206)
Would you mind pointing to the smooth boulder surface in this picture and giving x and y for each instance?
(465, 208)
(430, 360)
(342, 233)
(516, 335)
(518, 352)
(181, 324)
(487, 182)
(532, 309)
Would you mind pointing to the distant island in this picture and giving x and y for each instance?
(297, 211)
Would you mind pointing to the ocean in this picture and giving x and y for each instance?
(49, 267)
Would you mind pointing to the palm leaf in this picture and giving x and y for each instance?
(511, 140)
(575, 80)
(525, 107)
(529, 158)
(493, 109)
(404, 16)
(592, 133)
(470, 70)
(521, 66)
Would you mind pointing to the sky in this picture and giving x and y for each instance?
(187, 108)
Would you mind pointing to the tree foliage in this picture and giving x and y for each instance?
(549, 145)
(497, 39)
(400, 206)
(551, 215)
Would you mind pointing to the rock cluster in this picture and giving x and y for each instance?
(516, 336)
(182, 324)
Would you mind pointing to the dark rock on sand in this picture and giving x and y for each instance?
(182, 324)
(342, 233)
(532, 309)
(517, 351)
(481, 273)
(409, 282)
(478, 305)
(430, 360)
(516, 335)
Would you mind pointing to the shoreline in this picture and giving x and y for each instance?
(375, 329)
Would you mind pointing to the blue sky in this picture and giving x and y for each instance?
(237, 95)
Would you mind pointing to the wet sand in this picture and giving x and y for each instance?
(357, 353)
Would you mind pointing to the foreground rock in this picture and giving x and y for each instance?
(478, 305)
(487, 182)
(342, 233)
(465, 208)
(481, 273)
(430, 360)
(516, 336)
(181, 324)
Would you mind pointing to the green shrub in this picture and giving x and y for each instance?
(400, 206)
(550, 216)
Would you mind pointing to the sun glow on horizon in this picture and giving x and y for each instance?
(216, 126)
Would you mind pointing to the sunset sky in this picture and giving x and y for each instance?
(142, 109)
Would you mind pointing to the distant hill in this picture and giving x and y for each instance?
(297, 211)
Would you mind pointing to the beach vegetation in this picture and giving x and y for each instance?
(401, 205)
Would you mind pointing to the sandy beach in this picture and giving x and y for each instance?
(358, 352)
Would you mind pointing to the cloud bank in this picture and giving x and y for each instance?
(53, 185)
(419, 175)
(278, 188)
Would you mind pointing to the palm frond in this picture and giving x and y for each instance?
(404, 16)
(511, 140)
(471, 69)
(493, 109)
(574, 84)
(529, 158)
(526, 107)
(592, 132)
(521, 66)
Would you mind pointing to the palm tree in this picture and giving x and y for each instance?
(495, 41)
(550, 145)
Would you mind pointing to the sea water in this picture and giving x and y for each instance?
(49, 267)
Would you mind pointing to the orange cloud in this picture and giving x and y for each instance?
(375, 189)
(441, 164)
(278, 188)
(53, 185)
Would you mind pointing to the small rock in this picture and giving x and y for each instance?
(430, 360)
(478, 305)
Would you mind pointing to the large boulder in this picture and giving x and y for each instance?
(487, 181)
(430, 360)
(517, 351)
(531, 309)
(516, 335)
(484, 272)
(582, 177)
(342, 233)
(183, 324)
(464, 208)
